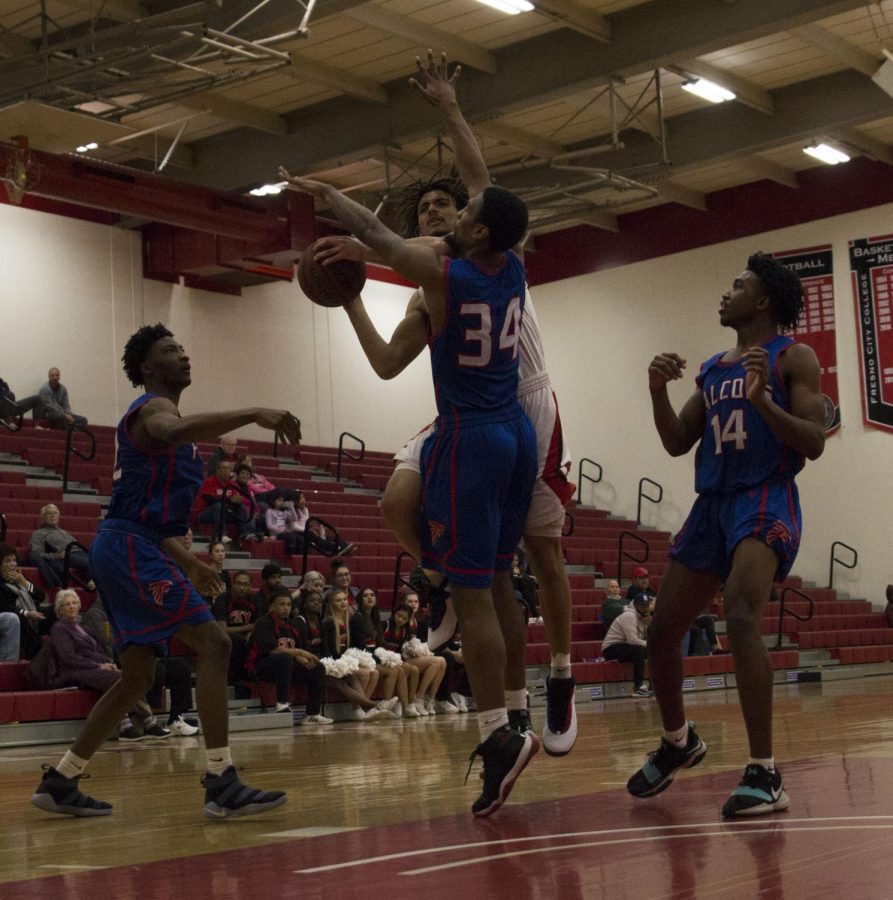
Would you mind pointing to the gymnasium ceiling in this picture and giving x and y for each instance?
(176, 84)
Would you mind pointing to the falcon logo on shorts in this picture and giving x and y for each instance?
(158, 589)
(779, 532)
(436, 530)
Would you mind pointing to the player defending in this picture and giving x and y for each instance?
(151, 585)
(479, 464)
(757, 411)
(435, 211)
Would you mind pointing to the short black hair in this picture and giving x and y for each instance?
(407, 201)
(782, 287)
(8, 550)
(269, 570)
(505, 215)
(137, 348)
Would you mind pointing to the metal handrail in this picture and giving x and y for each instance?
(643, 495)
(782, 610)
(581, 476)
(343, 452)
(398, 576)
(834, 559)
(306, 541)
(3, 526)
(568, 528)
(276, 445)
(66, 564)
(70, 448)
(621, 553)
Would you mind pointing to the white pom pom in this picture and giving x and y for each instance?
(387, 658)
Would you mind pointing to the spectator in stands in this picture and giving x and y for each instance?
(82, 663)
(704, 625)
(335, 640)
(526, 589)
(226, 450)
(22, 621)
(418, 627)
(237, 612)
(281, 523)
(641, 584)
(888, 610)
(216, 559)
(46, 551)
(625, 641)
(271, 582)
(223, 504)
(613, 604)
(316, 534)
(186, 540)
(341, 582)
(366, 630)
(312, 582)
(52, 404)
(431, 668)
(171, 672)
(9, 409)
(279, 654)
(241, 481)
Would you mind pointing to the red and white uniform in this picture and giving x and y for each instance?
(552, 491)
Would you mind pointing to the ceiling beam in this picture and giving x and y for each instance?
(146, 148)
(771, 171)
(745, 91)
(238, 113)
(677, 193)
(523, 140)
(575, 15)
(319, 73)
(604, 220)
(119, 10)
(425, 37)
(855, 57)
(865, 144)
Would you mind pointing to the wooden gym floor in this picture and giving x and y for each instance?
(381, 809)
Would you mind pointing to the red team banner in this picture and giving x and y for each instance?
(815, 268)
(871, 268)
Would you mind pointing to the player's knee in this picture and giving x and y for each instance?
(742, 623)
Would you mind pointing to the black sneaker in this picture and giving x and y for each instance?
(505, 754)
(519, 720)
(662, 765)
(155, 732)
(58, 794)
(442, 620)
(759, 791)
(130, 734)
(560, 732)
(226, 796)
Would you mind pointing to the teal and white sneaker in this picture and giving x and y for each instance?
(759, 792)
(662, 765)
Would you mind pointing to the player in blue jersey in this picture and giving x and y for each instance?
(757, 412)
(151, 585)
(479, 465)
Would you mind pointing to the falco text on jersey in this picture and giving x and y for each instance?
(731, 389)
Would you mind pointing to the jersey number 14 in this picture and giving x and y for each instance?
(732, 432)
(509, 336)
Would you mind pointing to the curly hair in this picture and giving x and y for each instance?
(406, 201)
(137, 348)
(782, 287)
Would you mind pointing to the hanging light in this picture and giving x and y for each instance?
(831, 156)
(707, 90)
(511, 7)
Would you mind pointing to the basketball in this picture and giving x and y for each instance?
(331, 285)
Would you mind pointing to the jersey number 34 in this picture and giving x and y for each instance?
(509, 336)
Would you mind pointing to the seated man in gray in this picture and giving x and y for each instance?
(52, 404)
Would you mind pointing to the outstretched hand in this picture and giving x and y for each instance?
(433, 80)
(307, 185)
(337, 247)
(665, 367)
(286, 426)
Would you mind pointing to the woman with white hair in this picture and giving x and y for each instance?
(82, 663)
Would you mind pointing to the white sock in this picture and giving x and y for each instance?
(765, 763)
(516, 699)
(491, 720)
(561, 665)
(71, 766)
(678, 738)
(219, 760)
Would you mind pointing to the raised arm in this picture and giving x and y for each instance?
(438, 87)
(678, 433)
(390, 358)
(803, 428)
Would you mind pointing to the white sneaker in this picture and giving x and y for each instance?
(317, 719)
(422, 707)
(358, 715)
(411, 711)
(283, 707)
(388, 705)
(396, 712)
(429, 705)
(181, 728)
(375, 713)
(459, 702)
(444, 706)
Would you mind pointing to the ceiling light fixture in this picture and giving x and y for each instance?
(84, 148)
(511, 7)
(824, 153)
(266, 190)
(707, 90)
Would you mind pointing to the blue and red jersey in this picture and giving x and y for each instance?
(738, 449)
(153, 489)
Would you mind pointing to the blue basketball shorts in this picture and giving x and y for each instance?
(717, 523)
(146, 595)
(476, 486)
